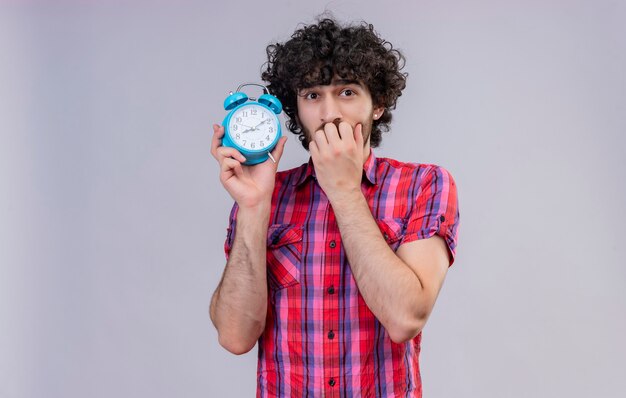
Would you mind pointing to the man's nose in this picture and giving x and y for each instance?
(331, 112)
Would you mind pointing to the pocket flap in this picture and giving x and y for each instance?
(391, 228)
(283, 234)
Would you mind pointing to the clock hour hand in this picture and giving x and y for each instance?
(248, 128)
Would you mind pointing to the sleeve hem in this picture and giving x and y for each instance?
(429, 233)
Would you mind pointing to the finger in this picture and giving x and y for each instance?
(358, 136)
(320, 139)
(228, 152)
(278, 151)
(216, 141)
(347, 132)
(314, 151)
(332, 133)
(231, 165)
(238, 169)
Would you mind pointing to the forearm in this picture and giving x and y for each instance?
(239, 304)
(391, 289)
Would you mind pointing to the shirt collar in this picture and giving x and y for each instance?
(369, 170)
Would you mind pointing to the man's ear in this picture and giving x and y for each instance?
(378, 112)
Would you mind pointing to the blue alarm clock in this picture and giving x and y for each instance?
(252, 126)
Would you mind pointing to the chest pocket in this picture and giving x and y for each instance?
(392, 230)
(284, 255)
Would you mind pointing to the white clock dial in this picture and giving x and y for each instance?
(253, 127)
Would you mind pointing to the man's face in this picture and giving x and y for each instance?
(342, 100)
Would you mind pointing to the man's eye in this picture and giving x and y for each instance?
(311, 96)
(347, 92)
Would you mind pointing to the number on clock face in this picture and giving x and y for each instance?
(255, 128)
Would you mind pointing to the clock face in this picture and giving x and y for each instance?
(253, 127)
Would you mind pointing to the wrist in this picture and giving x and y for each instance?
(259, 211)
(346, 199)
(255, 209)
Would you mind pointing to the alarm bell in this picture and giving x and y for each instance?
(237, 98)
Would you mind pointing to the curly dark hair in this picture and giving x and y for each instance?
(317, 53)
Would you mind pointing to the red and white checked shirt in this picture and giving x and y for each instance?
(320, 338)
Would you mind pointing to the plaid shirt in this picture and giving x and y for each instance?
(320, 338)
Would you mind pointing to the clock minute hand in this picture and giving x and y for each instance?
(264, 121)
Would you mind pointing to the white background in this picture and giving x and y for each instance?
(112, 218)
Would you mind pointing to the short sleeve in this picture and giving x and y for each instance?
(435, 209)
(230, 231)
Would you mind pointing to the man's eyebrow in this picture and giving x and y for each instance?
(341, 82)
(301, 91)
(334, 82)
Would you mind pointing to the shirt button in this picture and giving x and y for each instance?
(331, 382)
(331, 290)
(442, 218)
(331, 335)
(332, 244)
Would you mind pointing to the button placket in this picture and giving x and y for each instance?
(331, 302)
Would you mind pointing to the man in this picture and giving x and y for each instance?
(334, 266)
